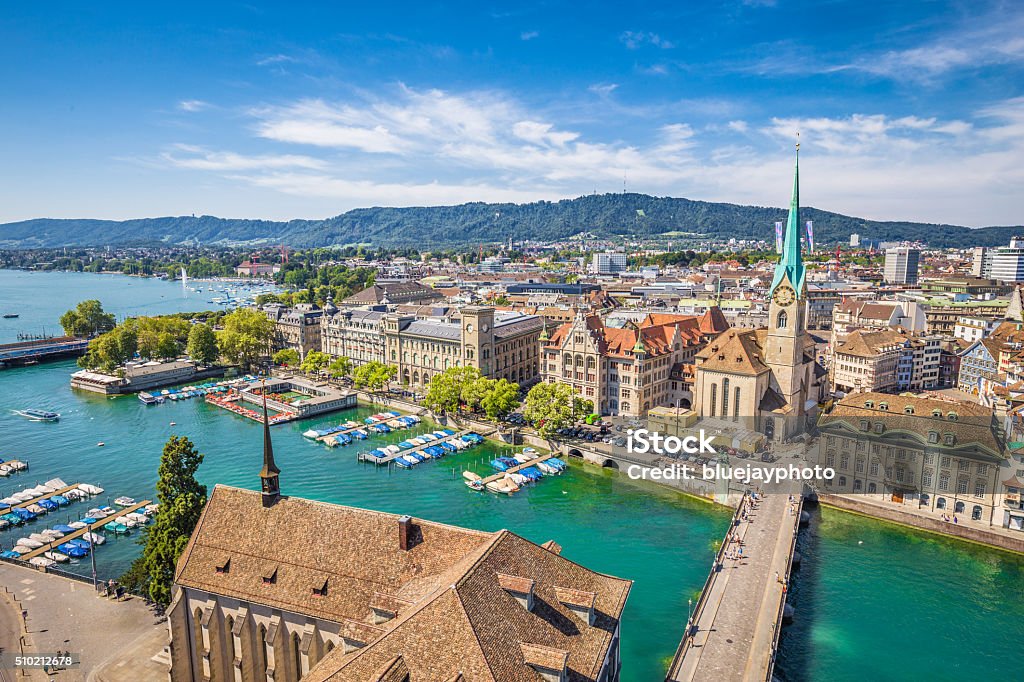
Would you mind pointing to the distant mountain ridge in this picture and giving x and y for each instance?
(439, 226)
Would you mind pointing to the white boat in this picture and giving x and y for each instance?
(42, 538)
(29, 542)
(96, 513)
(41, 561)
(125, 501)
(56, 556)
(23, 497)
(78, 525)
(141, 519)
(151, 508)
(90, 489)
(22, 549)
(124, 520)
(94, 538)
(53, 533)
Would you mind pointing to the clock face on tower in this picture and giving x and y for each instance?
(784, 296)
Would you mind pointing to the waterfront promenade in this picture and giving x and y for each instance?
(735, 626)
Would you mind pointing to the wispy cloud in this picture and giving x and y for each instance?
(276, 59)
(403, 146)
(637, 39)
(192, 105)
(529, 35)
(198, 158)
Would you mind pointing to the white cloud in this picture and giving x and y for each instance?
(407, 146)
(637, 39)
(192, 105)
(529, 35)
(603, 89)
(276, 59)
(198, 158)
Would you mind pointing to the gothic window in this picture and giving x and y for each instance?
(714, 398)
(736, 405)
(296, 650)
(782, 320)
(725, 398)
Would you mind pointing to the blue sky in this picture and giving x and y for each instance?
(907, 110)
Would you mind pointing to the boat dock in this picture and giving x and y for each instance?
(512, 470)
(91, 528)
(41, 349)
(35, 500)
(365, 427)
(734, 630)
(364, 457)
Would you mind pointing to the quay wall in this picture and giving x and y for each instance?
(962, 532)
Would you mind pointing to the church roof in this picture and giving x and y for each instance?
(455, 614)
(791, 264)
(737, 351)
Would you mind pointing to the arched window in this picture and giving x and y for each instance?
(197, 628)
(736, 405)
(229, 635)
(782, 320)
(958, 508)
(261, 664)
(976, 513)
(714, 398)
(297, 653)
(725, 398)
(940, 503)
(330, 646)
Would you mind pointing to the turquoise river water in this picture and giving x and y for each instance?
(873, 601)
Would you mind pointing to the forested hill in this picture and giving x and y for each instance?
(607, 214)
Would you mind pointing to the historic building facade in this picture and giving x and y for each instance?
(767, 380)
(278, 589)
(297, 328)
(628, 370)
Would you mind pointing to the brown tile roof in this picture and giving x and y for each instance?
(515, 583)
(575, 597)
(394, 670)
(868, 344)
(454, 615)
(543, 656)
(471, 624)
(738, 351)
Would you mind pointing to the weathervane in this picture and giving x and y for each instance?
(798, 140)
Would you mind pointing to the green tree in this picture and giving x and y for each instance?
(286, 356)
(474, 390)
(373, 376)
(161, 337)
(553, 406)
(109, 351)
(181, 498)
(87, 319)
(445, 391)
(314, 362)
(340, 366)
(202, 344)
(501, 399)
(246, 336)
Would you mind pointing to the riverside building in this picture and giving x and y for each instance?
(278, 588)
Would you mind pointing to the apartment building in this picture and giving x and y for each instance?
(297, 328)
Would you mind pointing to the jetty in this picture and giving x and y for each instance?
(91, 528)
(380, 461)
(35, 500)
(512, 470)
(734, 630)
(365, 427)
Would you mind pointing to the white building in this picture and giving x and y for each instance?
(901, 264)
(854, 240)
(982, 264)
(973, 329)
(608, 263)
(1008, 262)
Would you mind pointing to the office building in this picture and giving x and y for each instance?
(901, 265)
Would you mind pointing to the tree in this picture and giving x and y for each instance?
(339, 367)
(553, 406)
(87, 319)
(502, 398)
(314, 362)
(445, 391)
(181, 499)
(161, 337)
(286, 356)
(109, 351)
(202, 344)
(474, 390)
(373, 376)
(246, 336)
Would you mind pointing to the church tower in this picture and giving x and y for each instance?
(784, 344)
(270, 483)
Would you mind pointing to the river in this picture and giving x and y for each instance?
(873, 601)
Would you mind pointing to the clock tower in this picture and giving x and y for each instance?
(786, 337)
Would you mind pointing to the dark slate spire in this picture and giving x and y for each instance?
(269, 474)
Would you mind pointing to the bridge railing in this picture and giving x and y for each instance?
(782, 602)
(687, 640)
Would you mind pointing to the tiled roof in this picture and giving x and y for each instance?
(455, 619)
(868, 344)
(738, 351)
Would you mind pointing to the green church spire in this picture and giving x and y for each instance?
(791, 262)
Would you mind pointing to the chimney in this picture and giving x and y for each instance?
(405, 533)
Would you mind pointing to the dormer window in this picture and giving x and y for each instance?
(864, 425)
(937, 414)
(949, 439)
(269, 575)
(952, 416)
(223, 566)
(579, 602)
(883, 406)
(933, 436)
(521, 589)
(869, 403)
(320, 589)
(909, 409)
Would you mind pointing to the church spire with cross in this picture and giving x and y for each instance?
(791, 263)
(270, 483)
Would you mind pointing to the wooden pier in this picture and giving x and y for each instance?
(365, 457)
(36, 500)
(91, 528)
(512, 470)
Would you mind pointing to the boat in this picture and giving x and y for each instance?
(41, 561)
(94, 538)
(9, 554)
(473, 480)
(90, 489)
(38, 415)
(42, 538)
(73, 550)
(125, 501)
(108, 511)
(56, 556)
(116, 528)
(150, 399)
(10, 316)
(502, 486)
(29, 542)
(64, 528)
(79, 525)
